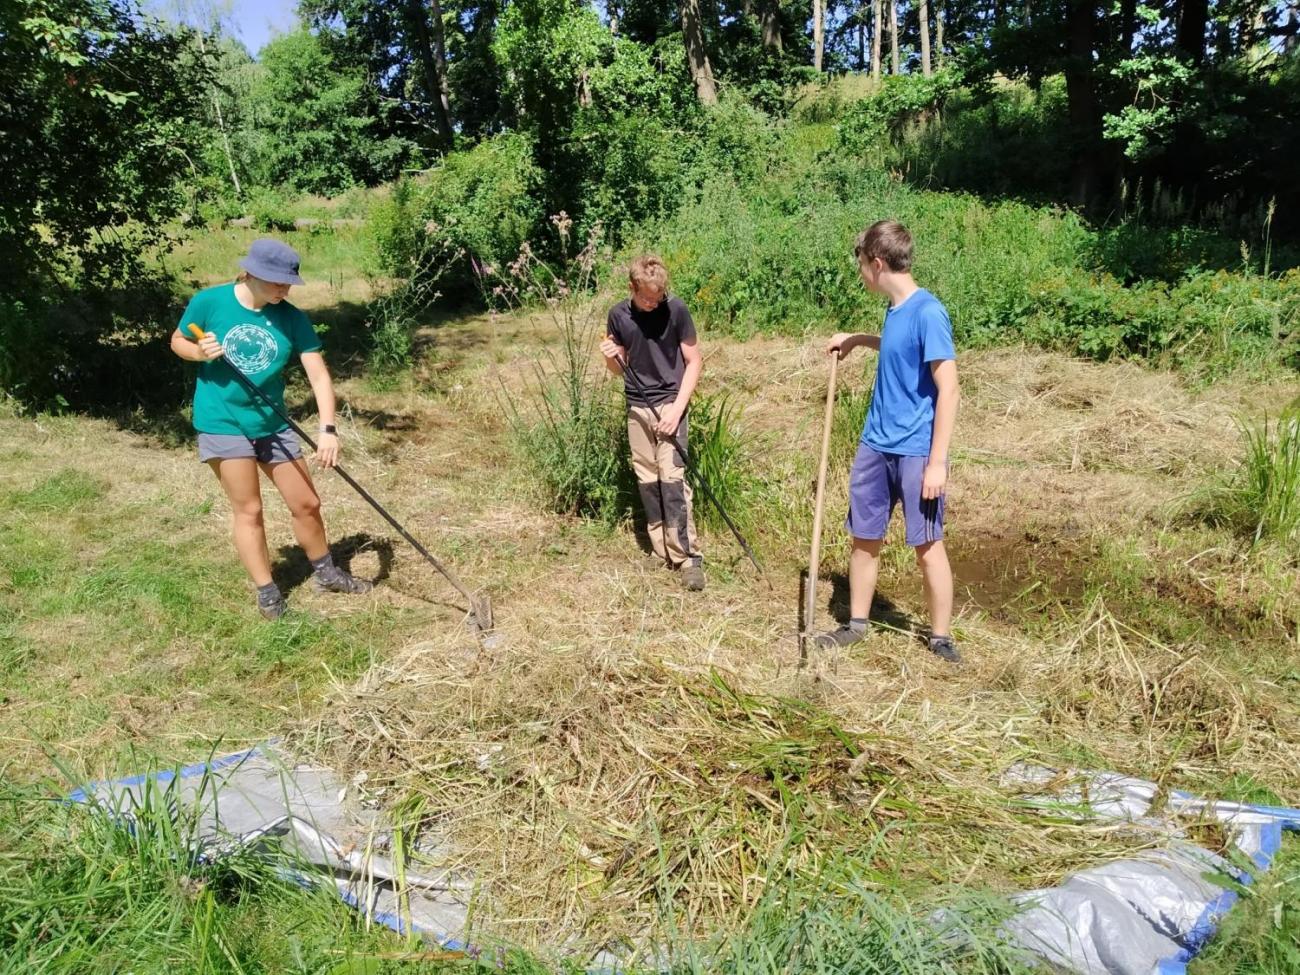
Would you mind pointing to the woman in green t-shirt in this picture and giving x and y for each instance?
(257, 330)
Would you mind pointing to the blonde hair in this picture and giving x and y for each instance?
(888, 240)
(648, 270)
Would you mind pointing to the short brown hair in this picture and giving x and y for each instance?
(648, 269)
(888, 240)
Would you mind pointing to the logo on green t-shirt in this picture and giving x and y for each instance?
(251, 348)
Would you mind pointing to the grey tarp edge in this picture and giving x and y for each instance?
(1146, 915)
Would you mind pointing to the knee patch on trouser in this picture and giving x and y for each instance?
(661, 483)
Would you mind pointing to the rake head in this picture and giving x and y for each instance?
(480, 615)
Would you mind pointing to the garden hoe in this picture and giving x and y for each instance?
(480, 605)
(814, 558)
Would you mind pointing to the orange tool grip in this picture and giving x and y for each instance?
(197, 332)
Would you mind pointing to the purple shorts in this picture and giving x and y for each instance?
(879, 481)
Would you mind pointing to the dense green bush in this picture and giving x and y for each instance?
(901, 101)
(1209, 320)
(777, 257)
(999, 140)
(476, 208)
(93, 349)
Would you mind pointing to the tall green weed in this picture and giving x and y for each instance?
(570, 423)
(1261, 499)
(716, 444)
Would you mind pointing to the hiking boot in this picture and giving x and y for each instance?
(272, 608)
(692, 576)
(845, 636)
(334, 579)
(944, 648)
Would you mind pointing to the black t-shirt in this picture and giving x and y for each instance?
(653, 340)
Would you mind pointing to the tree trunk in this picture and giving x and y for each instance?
(1127, 24)
(1085, 117)
(862, 38)
(819, 39)
(923, 21)
(440, 62)
(938, 33)
(876, 33)
(1193, 15)
(697, 58)
(221, 125)
(770, 16)
(435, 68)
(893, 36)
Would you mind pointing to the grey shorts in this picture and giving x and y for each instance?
(274, 449)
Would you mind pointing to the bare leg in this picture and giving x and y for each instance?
(239, 480)
(293, 480)
(864, 567)
(937, 575)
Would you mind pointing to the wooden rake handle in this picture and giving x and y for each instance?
(814, 557)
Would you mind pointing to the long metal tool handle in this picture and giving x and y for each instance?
(704, 485)
(819, 506)
(253, 388)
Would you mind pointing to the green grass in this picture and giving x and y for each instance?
(1258, 502)
(839, 921)
(1268, 487)
(716, 443)
(62, 491)
(130, 619)
(333, 256)
(81, 893)
(1261, 936)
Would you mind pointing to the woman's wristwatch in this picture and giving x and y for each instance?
(328, 428)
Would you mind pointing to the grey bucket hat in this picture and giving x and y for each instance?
(272, 261)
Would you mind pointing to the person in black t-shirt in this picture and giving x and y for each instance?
(653, 334)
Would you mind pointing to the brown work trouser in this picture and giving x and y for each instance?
(661, 481)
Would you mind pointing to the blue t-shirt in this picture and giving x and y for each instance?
(901, 419)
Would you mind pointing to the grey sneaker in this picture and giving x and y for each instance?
(272, 609)
(335, 579)
(845, 636)
(943, 647)
(692, 576)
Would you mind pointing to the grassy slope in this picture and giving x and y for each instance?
(127, 627)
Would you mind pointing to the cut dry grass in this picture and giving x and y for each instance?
(632, 759)
(629, 742)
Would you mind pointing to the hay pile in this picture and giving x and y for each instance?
(589, 778)
(629, 753)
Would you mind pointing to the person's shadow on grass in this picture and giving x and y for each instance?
(883, 611)
(291, 568)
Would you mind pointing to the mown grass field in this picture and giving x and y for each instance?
(631, 756)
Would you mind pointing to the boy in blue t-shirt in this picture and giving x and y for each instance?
(903, 453)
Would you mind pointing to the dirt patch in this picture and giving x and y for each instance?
(1010, 576)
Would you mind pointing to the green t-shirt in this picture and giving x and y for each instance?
(260, 344)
